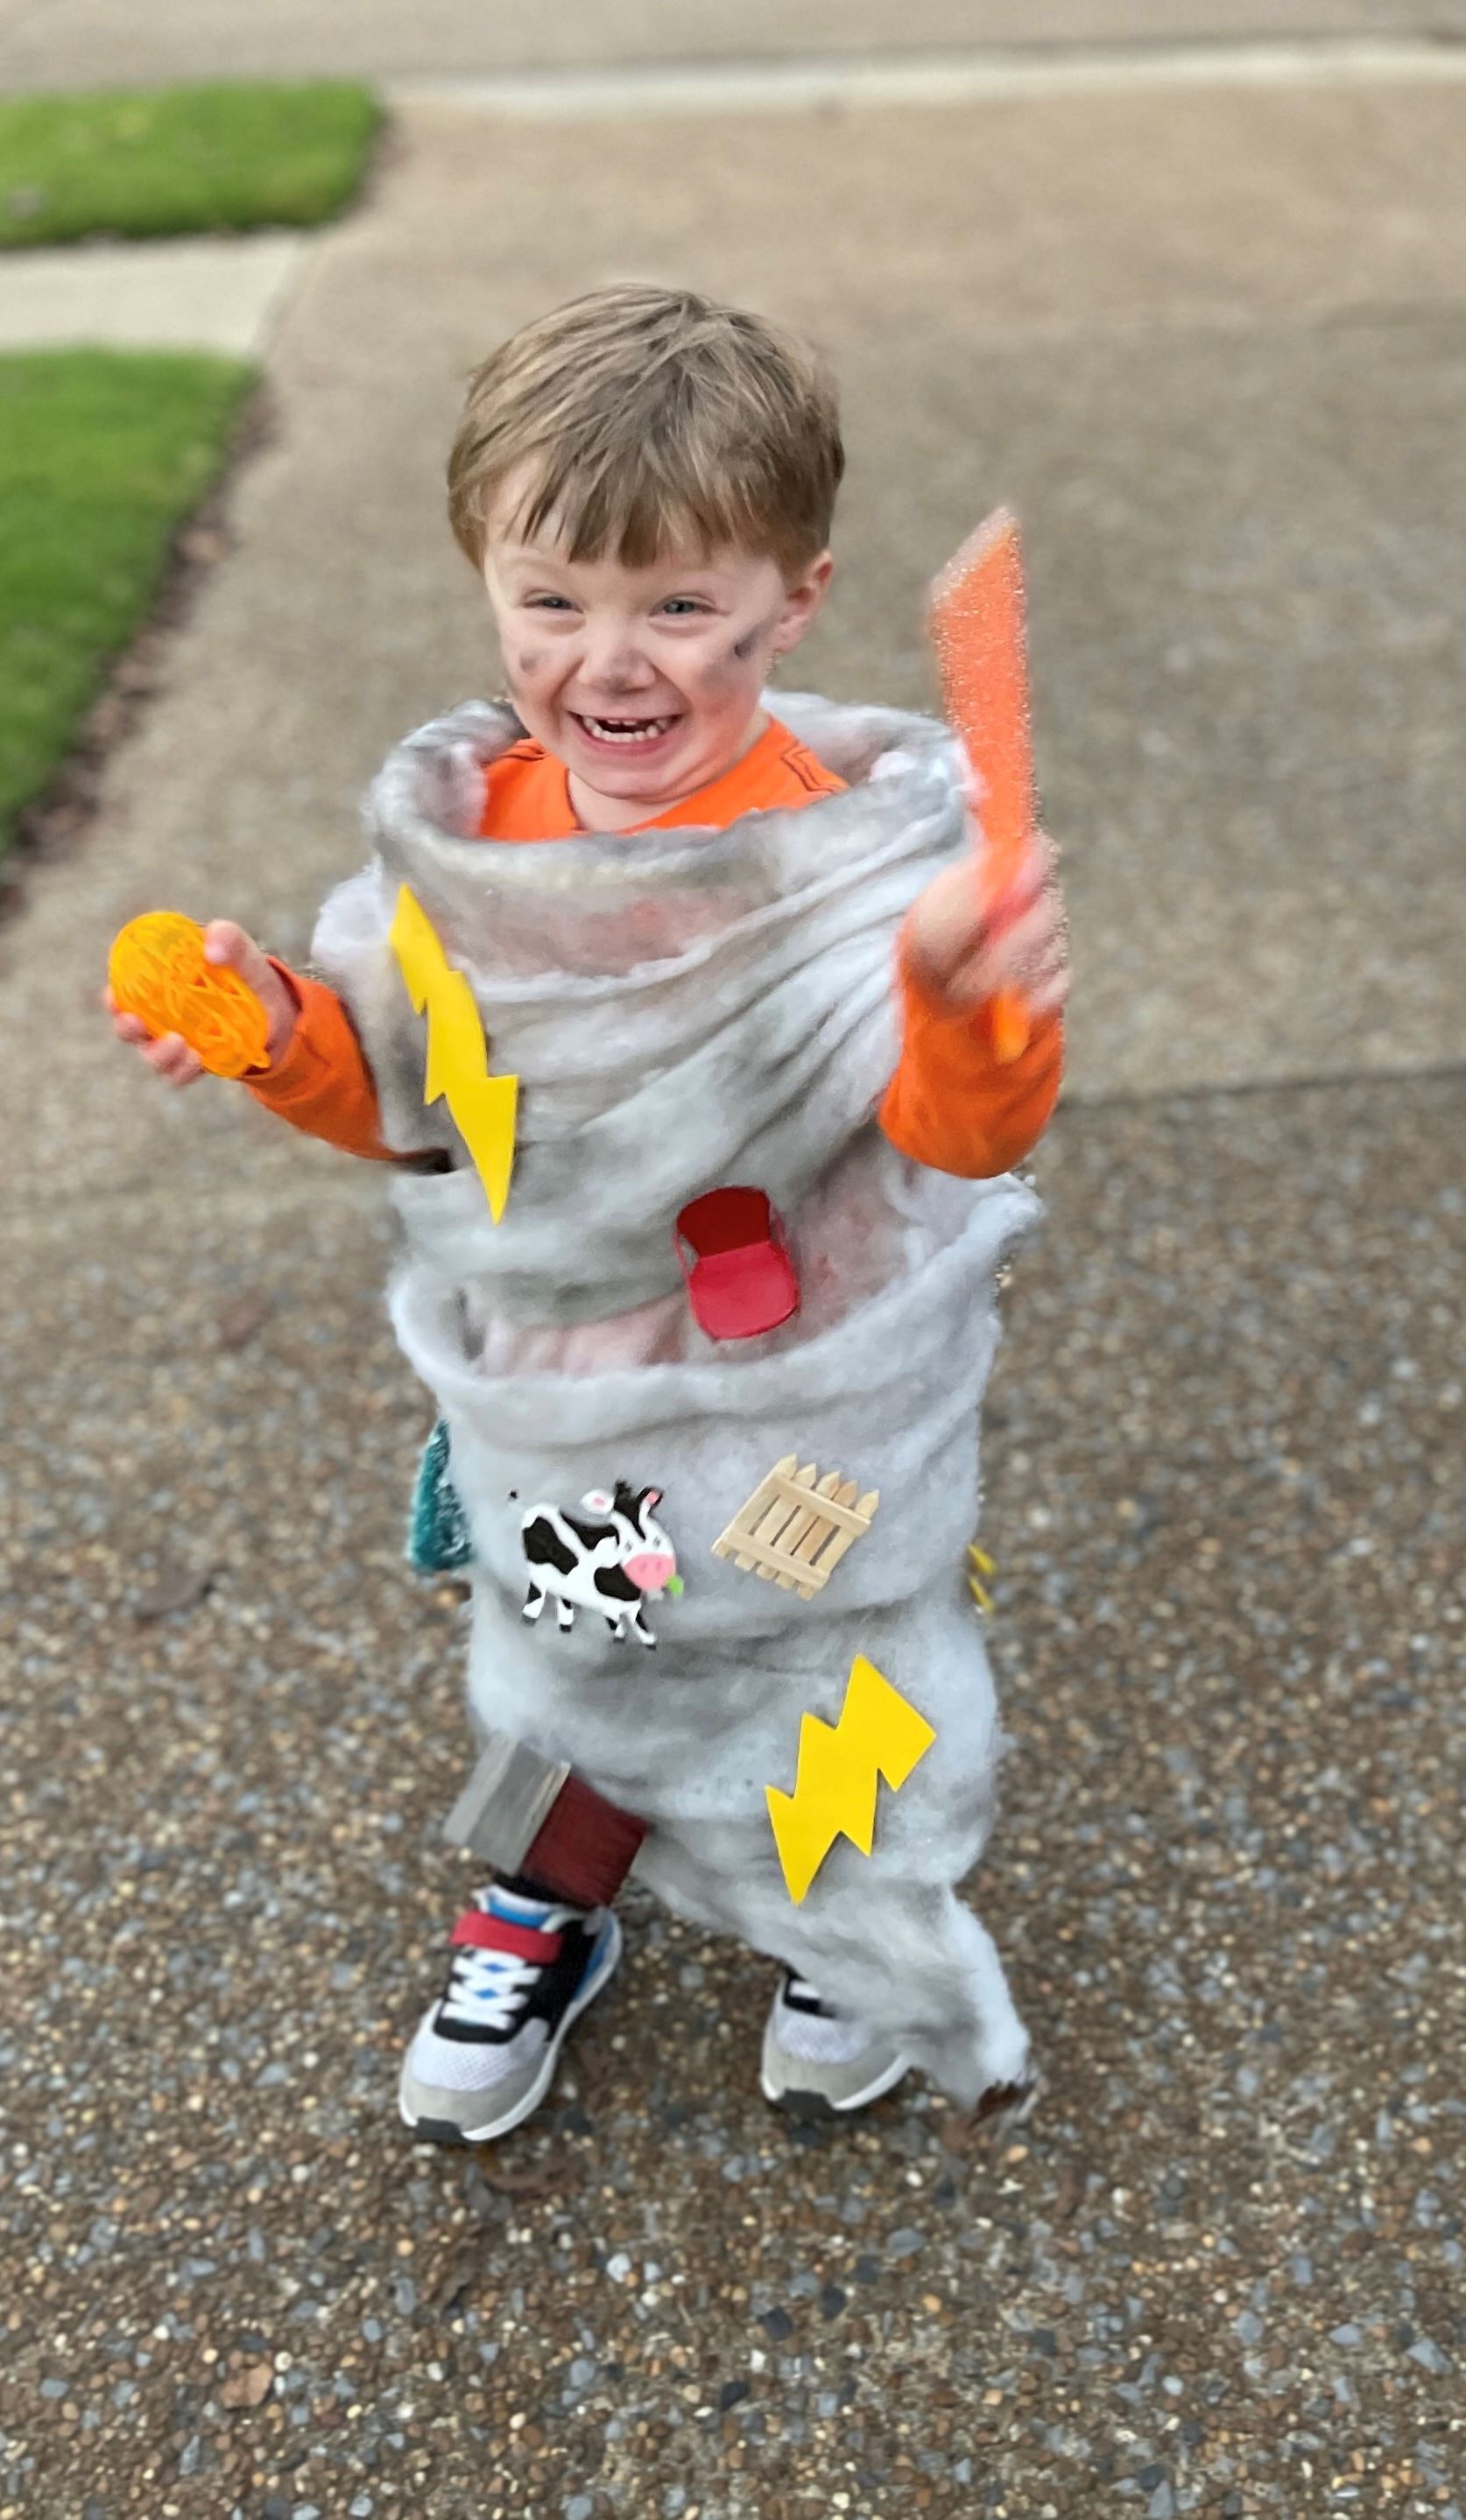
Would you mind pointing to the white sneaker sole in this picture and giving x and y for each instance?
(433, 2130)
(816, 2103)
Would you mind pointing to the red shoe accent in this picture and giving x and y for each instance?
(502, 1934)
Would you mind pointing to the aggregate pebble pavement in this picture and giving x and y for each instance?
(1220, 2271)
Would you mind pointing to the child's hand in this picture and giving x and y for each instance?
(231, 948)
(963, 953)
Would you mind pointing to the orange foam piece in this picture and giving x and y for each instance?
(977, 619)
(158, 973)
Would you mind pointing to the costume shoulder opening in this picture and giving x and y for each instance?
(851, 741)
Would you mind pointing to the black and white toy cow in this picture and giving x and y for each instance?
(606, 1557)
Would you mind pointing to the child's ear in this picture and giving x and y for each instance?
(801, 602)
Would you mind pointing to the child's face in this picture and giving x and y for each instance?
(644, 682)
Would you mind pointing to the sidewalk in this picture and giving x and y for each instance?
(1213, 347)
(220, 293)
(72, 43)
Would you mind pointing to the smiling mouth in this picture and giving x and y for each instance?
(629, 731)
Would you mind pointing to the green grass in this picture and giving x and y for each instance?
(172, 162)
(103, 453)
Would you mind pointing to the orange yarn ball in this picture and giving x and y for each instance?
(158, 973)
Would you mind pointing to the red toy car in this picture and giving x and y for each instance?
(734, 1256)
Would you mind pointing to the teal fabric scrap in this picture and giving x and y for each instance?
(438, 1535)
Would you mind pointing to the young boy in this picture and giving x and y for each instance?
(676, 913)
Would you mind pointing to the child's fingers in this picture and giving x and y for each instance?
(1047, 984)
(1024, 947)
(228, 946)
(171, 1058)
(166, 1053)
(1037, 870)
(968, 950)
(126, 1027)
(1046, 995)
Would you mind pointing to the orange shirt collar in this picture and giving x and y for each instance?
(538, 803)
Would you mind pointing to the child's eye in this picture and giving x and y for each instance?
(681, 606)
(548, 604)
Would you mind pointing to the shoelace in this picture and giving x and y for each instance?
(488, 1987)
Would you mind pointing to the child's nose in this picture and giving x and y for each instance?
(613, 660)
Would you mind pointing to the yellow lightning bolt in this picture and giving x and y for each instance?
(980, 1567)
(833, 1795)
(482, 1106)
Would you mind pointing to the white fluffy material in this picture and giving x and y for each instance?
(685, 1010)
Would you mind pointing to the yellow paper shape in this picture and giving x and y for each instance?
(878, 1734)
(482, 1106)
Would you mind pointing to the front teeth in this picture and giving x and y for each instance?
(644, 732)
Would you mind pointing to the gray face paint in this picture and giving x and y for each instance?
(743, 649)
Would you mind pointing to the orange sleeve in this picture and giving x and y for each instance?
(322, 1084)
(950, 1104)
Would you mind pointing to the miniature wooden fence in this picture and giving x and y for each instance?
(793, 1533)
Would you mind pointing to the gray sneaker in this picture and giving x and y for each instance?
(484, 2054)
(818, 2065)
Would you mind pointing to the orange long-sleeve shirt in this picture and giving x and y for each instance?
(949, 1104)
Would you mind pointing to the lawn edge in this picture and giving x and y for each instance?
(55, 822)
(358, 198)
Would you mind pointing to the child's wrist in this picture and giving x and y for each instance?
(284, 1017)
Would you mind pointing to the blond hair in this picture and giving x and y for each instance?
(646, 419)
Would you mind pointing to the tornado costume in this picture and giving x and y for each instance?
(686, 1009)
